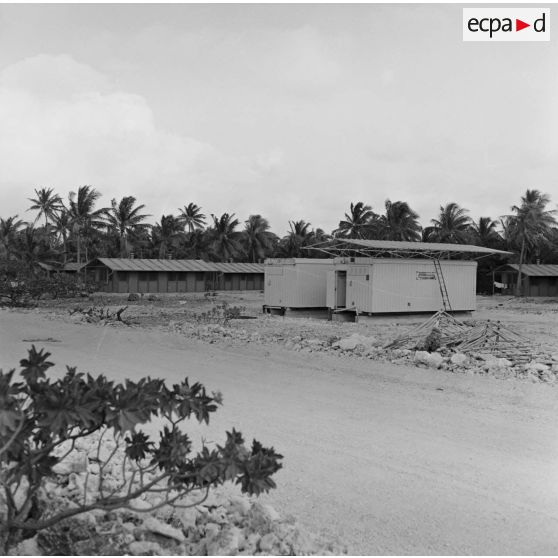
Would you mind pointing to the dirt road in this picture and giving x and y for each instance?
(394, 460)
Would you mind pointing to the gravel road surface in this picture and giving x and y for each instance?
(392, 459)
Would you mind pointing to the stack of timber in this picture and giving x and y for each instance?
(451, 331)
(486, 337)
(496, 339)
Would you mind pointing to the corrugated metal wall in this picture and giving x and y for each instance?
(307, 287)
(411, 286)
(297, 283)
(171, 282)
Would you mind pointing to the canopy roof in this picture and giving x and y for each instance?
(340, 246)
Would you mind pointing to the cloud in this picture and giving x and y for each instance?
(270, 162)
(290, 112)
(55, 77)
(63, 124)
(304, 61)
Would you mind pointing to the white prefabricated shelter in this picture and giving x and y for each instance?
(381, 276)
(296, 282)
(391, 285)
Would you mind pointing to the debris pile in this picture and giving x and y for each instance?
(496, 339)
(467, 347)
(487, 337)
(433, 344)
(441, 326)
(95, 315)
(226, 523)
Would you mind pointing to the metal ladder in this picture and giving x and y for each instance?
(442, 285)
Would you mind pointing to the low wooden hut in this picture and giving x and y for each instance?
(536, 280)
(239, 276)
(126, 275)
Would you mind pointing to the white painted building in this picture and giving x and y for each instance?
(296, 282)
(376, 276)
(378, 285)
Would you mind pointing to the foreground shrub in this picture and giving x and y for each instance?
(42, 420)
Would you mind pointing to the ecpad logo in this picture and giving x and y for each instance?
(506, 24)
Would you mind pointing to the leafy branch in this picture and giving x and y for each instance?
(42, 419)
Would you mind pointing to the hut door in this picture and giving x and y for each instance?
(143, 282)
(340, 289)
(122, 281)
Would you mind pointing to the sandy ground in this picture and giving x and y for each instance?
(392, 459)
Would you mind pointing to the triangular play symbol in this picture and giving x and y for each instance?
(519, 25)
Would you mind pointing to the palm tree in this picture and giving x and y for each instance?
(225, 243)
(400, 222)
(529, 226)
(452, 225)
(33, 247)
(62, 226)
(548, 252)
(166, 233)
(484, 233)
(300, 228)
(47, 203)
(429, 234)
(356, 222)
(319, 235)
(124, 219)
(299, 236)
(83, 215)
(258, 240)
(197, 244)
(192, 217)
(8, 232)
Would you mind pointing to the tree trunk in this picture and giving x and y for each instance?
(521, 256)
(123, 247)
(65, 246)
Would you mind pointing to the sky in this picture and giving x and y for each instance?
(290, 111)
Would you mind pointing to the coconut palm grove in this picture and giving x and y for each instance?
(80, 227)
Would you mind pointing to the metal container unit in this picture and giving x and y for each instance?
(370, 285)
(296, 282)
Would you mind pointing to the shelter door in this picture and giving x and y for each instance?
(340, 289)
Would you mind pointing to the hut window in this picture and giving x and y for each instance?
(200, 276)
(172, 276)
